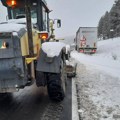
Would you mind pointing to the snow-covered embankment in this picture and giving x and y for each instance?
(98, 79)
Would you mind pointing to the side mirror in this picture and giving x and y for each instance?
(59, 23)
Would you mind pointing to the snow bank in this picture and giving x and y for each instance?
(111, 67)
(52, 48)
(107, 58)
(109, 49)
(11, 27)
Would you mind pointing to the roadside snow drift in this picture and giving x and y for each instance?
(106, 59)
(98, 80)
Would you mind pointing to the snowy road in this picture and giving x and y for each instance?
(98, 93)
(32, 103)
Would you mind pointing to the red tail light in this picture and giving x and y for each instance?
(93, 51)
(81, 51)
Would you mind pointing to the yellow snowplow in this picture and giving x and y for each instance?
(22, 57)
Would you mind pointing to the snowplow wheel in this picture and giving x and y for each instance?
(57, 84)
(4, 96)
(54, 86)
(55, 89)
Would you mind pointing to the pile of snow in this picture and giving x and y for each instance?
(52, 48)
(11, 27)
(109, 49)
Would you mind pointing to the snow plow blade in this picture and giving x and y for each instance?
(71, 69)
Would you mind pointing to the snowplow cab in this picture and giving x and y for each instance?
(39, 11)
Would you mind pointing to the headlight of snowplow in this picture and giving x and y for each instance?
(4, 44)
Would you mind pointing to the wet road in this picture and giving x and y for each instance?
(33, 103)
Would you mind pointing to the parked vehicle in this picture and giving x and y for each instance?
(86, 39)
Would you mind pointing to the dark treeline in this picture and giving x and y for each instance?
(109, 24)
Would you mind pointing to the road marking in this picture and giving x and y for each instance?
(75, 115)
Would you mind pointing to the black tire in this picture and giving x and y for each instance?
(5, 96)
(76, 47)
(54, 86)
(41, 79)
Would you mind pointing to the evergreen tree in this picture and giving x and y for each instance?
(109, 24)
(100, 27)
(106, 26)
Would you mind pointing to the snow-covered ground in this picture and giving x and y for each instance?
(98, 79)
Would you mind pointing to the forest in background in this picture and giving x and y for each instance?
(109, 23)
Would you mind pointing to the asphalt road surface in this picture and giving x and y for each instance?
(33, 103)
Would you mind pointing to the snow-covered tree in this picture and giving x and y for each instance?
(109, 24)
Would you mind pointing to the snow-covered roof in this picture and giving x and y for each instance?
(52, 48)
(11, 27)
(14, 25)
(19, 21)
(22, 21)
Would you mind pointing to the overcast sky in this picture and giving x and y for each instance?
(73, 13)
(3, 12)
(76, 13)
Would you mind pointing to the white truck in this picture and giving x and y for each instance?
(86, 39)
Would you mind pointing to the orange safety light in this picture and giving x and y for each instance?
(43, 35)
(11, 3)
